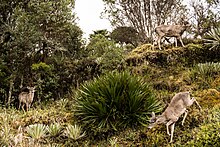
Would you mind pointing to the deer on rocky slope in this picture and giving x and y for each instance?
(178, 105)
(171, 31)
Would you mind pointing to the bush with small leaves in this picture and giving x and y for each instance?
(208, 133)
(114, 101)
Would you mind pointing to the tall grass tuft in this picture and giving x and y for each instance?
(115, 100)
(204, 73)
(204, 70)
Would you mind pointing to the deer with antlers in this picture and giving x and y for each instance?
(178, 106)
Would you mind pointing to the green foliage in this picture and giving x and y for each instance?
(205, 70)
(36, 37)
(208, 69)
(99, 32)
(208, 133)
(214, 38)
(125, 35)
(105, 52)
(204, 73)
(115, 100)
(54, 129)
(37, 131)
(45, 79)
(74, 132)
(42, 66)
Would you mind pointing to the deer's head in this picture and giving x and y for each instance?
(156, 120)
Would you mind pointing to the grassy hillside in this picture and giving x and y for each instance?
(194, 68)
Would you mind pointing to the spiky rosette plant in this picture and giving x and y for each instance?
(214, 38)
(115, 100)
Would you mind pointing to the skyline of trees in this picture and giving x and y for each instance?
(145, 15)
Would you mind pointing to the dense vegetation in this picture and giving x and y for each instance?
(102, 93)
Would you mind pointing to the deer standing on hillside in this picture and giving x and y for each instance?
(175, 109)
(171, 31)
(26, 98)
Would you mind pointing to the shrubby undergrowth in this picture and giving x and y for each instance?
(115, 100)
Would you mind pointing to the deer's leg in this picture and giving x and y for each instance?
(181, 41)
(168, 124)
(19, 106)
(197, 104)
(175, 42)
(159, 41)
(23, 107)
(27, 106)
(172, 131)
(186, 112)
(168, 132)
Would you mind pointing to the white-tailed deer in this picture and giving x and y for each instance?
(178, 105)
(171, 31)
(26, 98)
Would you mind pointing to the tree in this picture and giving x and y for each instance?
(105, 51)
(37, 31)
(101, 32)
(144, 15)
(125, 35)
(205, 15)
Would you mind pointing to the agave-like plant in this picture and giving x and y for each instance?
(54, 129)
(115, 100)
(74, 132)
(208, 69)
(37, 131)
(214, 38)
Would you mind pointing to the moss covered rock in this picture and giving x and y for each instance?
(192, 53)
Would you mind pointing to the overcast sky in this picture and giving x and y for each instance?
(88, 12)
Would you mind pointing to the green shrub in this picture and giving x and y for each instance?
(107, 53)
(207, 134)
(208, 69)
(115, 100)
(54, 129)
(205, 72)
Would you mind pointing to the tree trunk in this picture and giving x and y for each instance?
(11, 86)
